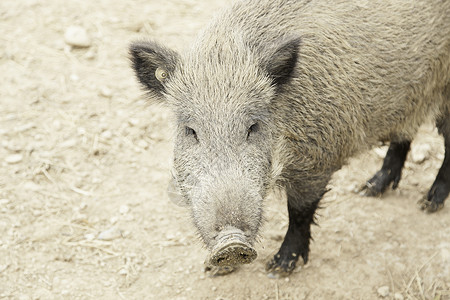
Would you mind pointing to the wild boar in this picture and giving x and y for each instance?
(282, 93)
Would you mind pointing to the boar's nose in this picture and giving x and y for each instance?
(231, 249)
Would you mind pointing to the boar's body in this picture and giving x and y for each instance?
(283, 92)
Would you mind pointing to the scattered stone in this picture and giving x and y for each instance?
(123, 272)
(383, 291)
(90, 54)
(398, 296)
(420, 153)
(106, 135)
(124, 209)
(77, 36)
(81, 130)
(114, 220)
(110, 234)
(14, 158)
(68, 143)
(133, 121)
(105, 92)
(89, 236)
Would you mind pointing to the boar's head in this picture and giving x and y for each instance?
(221, 95)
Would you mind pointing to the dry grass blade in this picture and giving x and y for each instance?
(416, 276)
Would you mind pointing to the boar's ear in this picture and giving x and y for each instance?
(153, 65)
(282, 60)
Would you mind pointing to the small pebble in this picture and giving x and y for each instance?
(383, 291)
(81, 130)
(398, 296)
(110, 234)
(133, 121)
(123, 272)
(14, 158)
(106, 134)
(77, 36)
(68, 143)
(105, 92)
(89, 236)
(124, 209)
(90, 54)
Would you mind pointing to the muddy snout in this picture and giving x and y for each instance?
(231, 249)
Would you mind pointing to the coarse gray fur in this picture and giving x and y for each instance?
(363, 72)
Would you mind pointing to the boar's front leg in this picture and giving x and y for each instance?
(296, 241)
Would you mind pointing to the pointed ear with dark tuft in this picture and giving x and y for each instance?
(282, 60)
(153, 65)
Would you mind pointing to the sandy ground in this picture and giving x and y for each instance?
(85, 164)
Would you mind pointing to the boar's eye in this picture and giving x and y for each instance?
(252, 129)
(190, 132)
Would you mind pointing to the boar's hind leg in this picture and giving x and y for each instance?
(391, 170)
(296, 241)
(440, 189)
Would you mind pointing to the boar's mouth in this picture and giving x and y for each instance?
(231, 249)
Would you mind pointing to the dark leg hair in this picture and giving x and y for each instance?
(391, 171)
(440, 189)
(296, 241)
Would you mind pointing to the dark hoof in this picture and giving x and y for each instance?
(214, 271)
(369, 190)
(379, 183)
(279, 267)
(429, 206)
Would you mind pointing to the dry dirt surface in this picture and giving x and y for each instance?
(85, 162)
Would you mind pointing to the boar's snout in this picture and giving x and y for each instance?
(231, 249)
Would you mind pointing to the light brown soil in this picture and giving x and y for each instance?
(85, 164)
